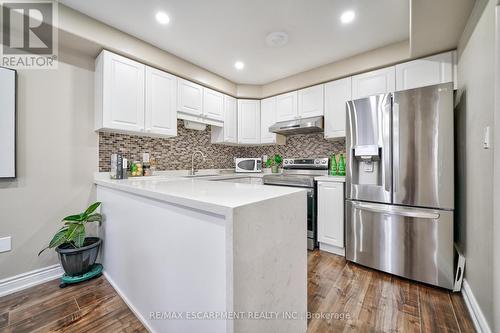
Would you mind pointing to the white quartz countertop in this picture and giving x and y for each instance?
(197, 192)
(336, 179)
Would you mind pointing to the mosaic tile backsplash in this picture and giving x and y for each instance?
(175, 153)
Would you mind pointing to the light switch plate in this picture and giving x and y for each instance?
(487, 138)
(5, 244)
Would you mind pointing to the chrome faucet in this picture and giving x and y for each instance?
(193, 170)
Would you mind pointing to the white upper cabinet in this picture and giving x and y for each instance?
(119, 84)
(311, 101)
(428, 71)
(161, 95)
(337, 93)
(267, 119)
(286, 106)
(228, 133)
(248, 121)
(377, 82)
(331, 214)
(213, 104)
(189, 97)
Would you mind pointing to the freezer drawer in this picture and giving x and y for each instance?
(410, 242)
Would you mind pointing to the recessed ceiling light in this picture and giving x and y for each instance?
(239, 65)
(277, 39)
(162, 18)
(347, 16)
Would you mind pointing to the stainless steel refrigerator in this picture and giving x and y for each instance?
(400, 183)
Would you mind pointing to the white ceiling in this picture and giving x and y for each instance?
(213, 34)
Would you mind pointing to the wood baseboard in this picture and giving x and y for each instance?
(476, 314)
(29, 279)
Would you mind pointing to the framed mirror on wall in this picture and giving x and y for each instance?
(7, 123)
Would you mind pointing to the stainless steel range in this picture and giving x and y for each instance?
(300, 173)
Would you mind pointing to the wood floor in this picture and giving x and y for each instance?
(378, 302)
(358, 299)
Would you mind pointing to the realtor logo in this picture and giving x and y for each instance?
(29, 39)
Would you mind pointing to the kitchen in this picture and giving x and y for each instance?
(285, 193)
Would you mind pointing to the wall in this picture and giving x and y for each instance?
(175, 153)
(474, 164)
(56, 158)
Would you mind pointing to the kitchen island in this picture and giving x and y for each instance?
(194, 255)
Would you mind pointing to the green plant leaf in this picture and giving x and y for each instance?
(59, 238)
(278, 159)
(92, 208)
(71, 233)
(79, 238)
(77, 218)
(96, 217)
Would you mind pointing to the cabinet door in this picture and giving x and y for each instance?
(331, 213)
(248, 121)
(189, 97)
(337, 93)
(161, 94)
(213, 104)
(311, 102)
(230, 120)
(425, 72)
(286, 106)
(123, 93)
(267, 119)
(377, 82)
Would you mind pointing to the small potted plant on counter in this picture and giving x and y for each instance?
(274, 163)
(77, 252)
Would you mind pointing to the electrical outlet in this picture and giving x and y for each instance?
(5, 244)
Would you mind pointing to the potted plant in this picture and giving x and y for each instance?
(77, 252)
(274, 163)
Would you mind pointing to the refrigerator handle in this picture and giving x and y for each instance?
(387, 144)
(395, 152)
(394, 210)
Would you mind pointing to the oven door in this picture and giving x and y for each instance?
(311, 220)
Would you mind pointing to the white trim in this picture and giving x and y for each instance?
(29, 279)
(340, 251)
(480, 323)
(129, 304)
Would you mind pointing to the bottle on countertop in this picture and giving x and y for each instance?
(146, 165)
(125, 169)
(341, 165)
(116, 171)
(333, 165)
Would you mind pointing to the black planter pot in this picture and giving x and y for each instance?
(79, 261)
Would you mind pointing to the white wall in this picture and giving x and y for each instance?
(56, 158)
(474, 204)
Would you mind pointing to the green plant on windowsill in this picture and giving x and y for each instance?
(274, 163)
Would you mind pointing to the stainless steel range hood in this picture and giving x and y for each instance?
(298, 126)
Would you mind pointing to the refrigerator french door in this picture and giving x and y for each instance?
(400, 183)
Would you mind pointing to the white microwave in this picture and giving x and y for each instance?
(248, 165)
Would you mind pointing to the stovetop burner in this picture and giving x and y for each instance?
(299, 172)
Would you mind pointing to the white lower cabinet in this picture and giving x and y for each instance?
(331, 217)
(248, 121)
